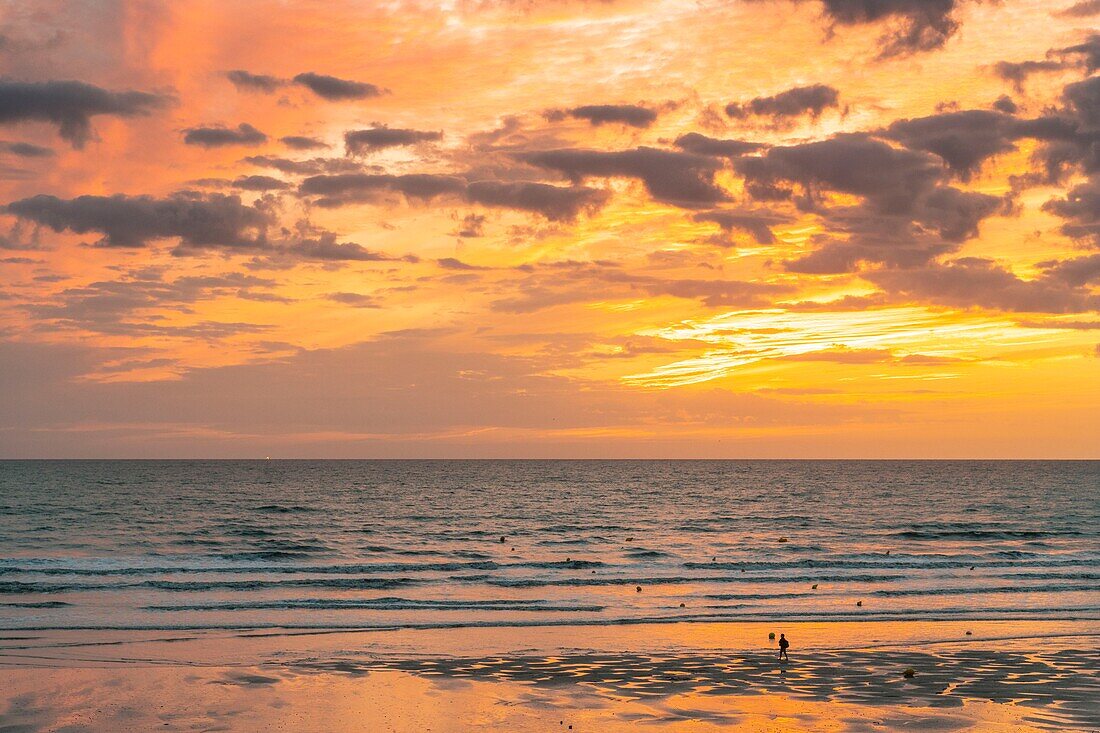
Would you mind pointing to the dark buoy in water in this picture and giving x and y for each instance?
(782, 539)
(859, 603)
(813, 587)
(502, 540)
(638, 589)
(681, 605)
(771, 636)
(714, 559)
(568, 559)
(969, 633)
(629, 539)
(909, 673)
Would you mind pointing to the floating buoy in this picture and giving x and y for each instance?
(771, 635)
(681, 605)
(502, 540)
(859, 603)
(813, 587)
(638, 589)
(969, 633)
(909, 673)
(782, 539)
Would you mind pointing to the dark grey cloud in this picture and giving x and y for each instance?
(1083, 98)
(1075, 272)
(215, 220)
(260, 183)
(1088, 51)
(451, 263)
(918, 25)
(1083, 9)
(310, 167)
(210, 222)
(346, 188)
(811, 100)
(556, 203)
(907, 215)
(220, 136)
(1004, 103)
(756, 223)
(250, 82)
(355, 300)
(981, 283)
(334, 89)
(1081, 209)
(25, 150)
(963, 139)
(325, 247)
(301, 142)
(633, 115)
(853, 163)
(70, 105)
(694, 142)
(679, 178)
(1018, 72)
(379, 137)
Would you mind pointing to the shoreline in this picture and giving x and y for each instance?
(845, 676)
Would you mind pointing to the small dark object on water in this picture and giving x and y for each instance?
(502, 540)
(813, 587)
(782, 539)
(972, 567)
(714, 559)
(638, 589)
(742, 570)
(859, 603)
(969, 633)
(568, 560)
(887, 552)
(629, 539)
(909, 673)
(681, 605)
(771, 636)
(513, 549)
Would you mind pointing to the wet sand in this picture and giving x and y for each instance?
(841, 676)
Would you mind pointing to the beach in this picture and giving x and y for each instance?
(847, 676)
(453, 595)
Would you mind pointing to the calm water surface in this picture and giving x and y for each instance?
(357, 544)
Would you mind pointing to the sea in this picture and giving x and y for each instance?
(303, 544)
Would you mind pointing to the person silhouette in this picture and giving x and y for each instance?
(783, 644)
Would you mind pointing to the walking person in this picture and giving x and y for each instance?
(783, 644)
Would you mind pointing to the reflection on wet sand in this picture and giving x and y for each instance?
(1062, 685)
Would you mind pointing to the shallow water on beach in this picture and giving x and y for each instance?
(384, 544)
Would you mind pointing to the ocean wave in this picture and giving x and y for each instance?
(285, 509)
(680, 580)
(383, 604)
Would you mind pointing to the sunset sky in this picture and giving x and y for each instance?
(720, 228)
